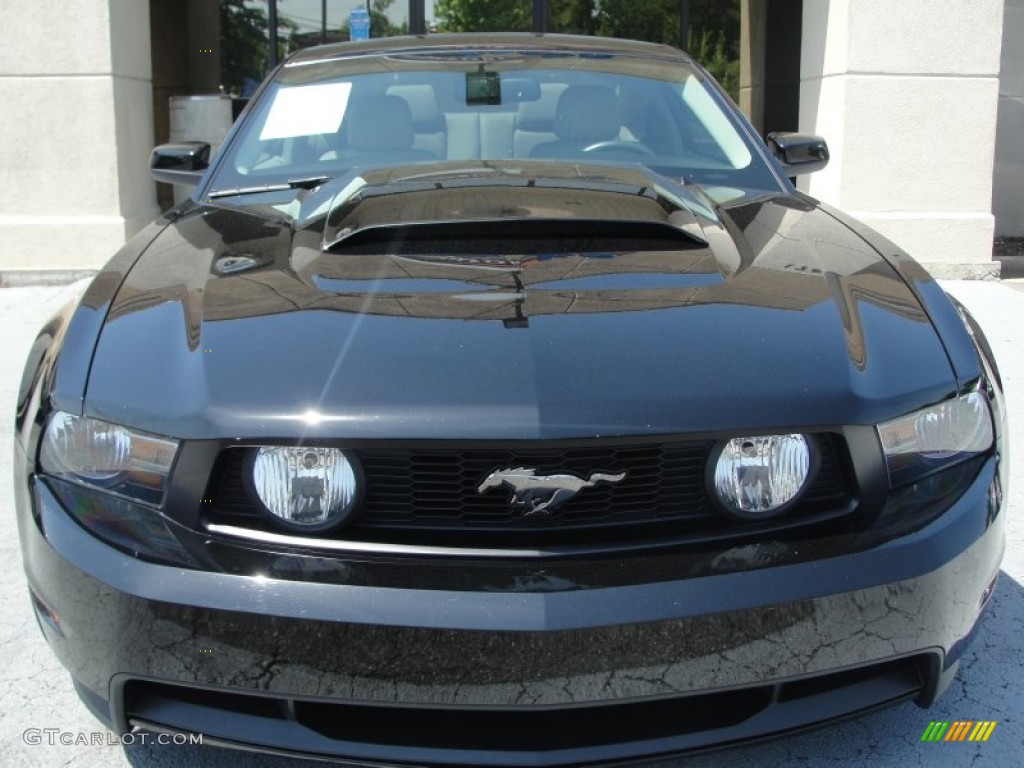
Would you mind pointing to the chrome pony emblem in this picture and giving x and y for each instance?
(539, 495)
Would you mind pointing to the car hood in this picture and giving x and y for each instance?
(534, 302)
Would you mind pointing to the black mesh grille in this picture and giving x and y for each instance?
(440, 489)
(430, 495)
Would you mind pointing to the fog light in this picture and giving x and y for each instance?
(305, 489)
(758, 477)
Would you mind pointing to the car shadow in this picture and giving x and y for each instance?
(984, 689)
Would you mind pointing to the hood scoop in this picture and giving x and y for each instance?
(510, 271)
(509, 243)
(437, 208)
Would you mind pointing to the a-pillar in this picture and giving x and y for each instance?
(77, 130)
(906, 95)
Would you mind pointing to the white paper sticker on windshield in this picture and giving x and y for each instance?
(306, 110)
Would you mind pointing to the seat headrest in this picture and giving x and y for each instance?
(380, 122)
(539, 116)
(587, 113)
(422, 101)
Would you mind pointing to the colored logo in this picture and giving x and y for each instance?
(958, 730)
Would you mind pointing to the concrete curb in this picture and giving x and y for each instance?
(972, 270)
(20, 278)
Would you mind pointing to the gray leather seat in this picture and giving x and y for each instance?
(585, 115)
(379, 129)
(428, 123)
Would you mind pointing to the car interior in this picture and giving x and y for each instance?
(407, 118)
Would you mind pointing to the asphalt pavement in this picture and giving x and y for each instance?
(43, 724)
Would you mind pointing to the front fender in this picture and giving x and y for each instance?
(960, 348)
(992, 382)
(57, 369)
(37, 376)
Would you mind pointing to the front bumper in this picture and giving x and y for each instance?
(534, 674)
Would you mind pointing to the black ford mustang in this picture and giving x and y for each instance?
(498, 400)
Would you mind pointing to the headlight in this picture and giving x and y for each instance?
(758, 477)
(308, 489)
(936, 437)
(107, 456)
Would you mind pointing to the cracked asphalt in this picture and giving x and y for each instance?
(36, 692)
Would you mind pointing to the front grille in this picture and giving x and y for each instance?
(443, 735)
(439, 490)
(430, 496)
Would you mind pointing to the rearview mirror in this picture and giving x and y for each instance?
(504, 90)
(182, 163)
(799, 153)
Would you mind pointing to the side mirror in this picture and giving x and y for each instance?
(799, 152)
(182, 163)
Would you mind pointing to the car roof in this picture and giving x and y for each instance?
(515, 40)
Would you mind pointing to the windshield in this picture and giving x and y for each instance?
(325, 118)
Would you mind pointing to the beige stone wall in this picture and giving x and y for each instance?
(906, 93)
(77, 129)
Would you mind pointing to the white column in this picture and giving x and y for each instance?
(77, 128)
(906, 93)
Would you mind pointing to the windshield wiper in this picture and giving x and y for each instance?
(309, 183)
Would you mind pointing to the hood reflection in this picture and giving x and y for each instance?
(781, 253)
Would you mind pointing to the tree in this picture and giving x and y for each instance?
(569, 16)
(577, 17)
(243, 36)
(713, 40)
(380, 24)
(485, 15)
(656, 21)
(245, 48)
(709, 49)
